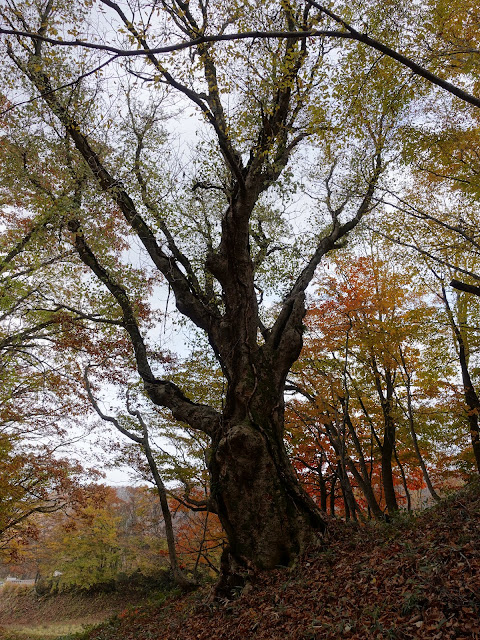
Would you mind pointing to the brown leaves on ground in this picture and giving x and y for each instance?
(408, 579)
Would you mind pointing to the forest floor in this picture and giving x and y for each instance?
(416, 577)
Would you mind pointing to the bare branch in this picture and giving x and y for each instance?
(425, 253)
(132, 436)
(180, 46)
(214, 112)
(295, 298)
(349, 34)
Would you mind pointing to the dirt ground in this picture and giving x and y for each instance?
(26, 615)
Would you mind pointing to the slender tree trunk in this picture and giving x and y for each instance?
(332, 493)
(426, 475)
(473, 406)
(346, 506)
(202, 542)
(404, 480)
(323, 487)
(178, 574)
(411, 422)
(144, 442)
(471, 398)
(388, 445)
(366, 489)
(351, 506)
(363, 480)
(339, 447)
(387, 471)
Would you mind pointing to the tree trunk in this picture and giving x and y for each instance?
(387, 472)
(404, 480)
(413, 433)
(366, 489)
(364, 480)
(473, 406)
(332, 493)
(178, 574)
(267, 516)
(471, 398)
(335, 439)
(388, 445)
(323, 487)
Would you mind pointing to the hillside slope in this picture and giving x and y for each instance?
(415, 578)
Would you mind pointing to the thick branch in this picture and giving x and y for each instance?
(118, 292)
(463, 286)
(21, 244)
(198, 416)
(403, 60)
(179, 46)
(161, 392)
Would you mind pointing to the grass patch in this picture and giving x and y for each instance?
(47, 631)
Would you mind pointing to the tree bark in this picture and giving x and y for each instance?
(473, 409)
(387, 472)
(268, 517)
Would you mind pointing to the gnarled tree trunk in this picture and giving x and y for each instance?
(267, 515)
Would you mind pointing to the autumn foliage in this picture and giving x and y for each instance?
(373, 391)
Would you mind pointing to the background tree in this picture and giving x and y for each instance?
(370, 342)
(440, 225)
(31, 483)
(115, 538)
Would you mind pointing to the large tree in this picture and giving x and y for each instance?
(217, 231)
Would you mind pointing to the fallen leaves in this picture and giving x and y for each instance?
(399, 581)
